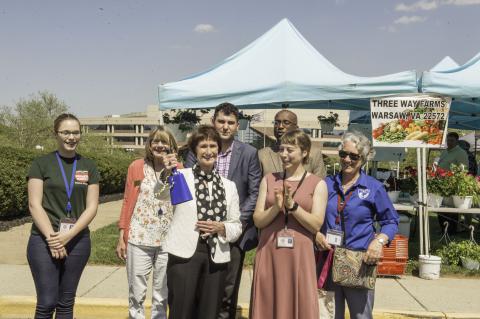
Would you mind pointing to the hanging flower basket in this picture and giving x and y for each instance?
(469, 263)
(328, 123)
(327, 127)
(242, 124)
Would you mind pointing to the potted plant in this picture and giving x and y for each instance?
(465, 188)
(391, 185)
(329, 122)
(439, 184)
(180, 122)
(243, 120)
(465, 253)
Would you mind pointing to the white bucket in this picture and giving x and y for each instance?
(429, 266)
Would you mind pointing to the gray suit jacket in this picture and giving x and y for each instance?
(246, 173)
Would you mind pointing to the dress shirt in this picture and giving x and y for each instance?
(367, 204)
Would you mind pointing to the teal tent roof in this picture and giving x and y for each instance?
(281, 68)
(462, 83)
(445, 64)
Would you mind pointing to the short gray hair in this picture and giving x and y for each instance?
(361, 142)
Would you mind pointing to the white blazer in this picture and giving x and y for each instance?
(182, 234)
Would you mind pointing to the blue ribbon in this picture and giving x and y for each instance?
(68, 188)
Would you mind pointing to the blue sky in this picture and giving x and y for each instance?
(107, 57)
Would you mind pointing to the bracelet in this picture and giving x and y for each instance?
(294, 207)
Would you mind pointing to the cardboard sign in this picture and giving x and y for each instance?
(409, 121)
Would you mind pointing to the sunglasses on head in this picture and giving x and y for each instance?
(353, 156)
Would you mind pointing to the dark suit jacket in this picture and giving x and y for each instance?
(246, 173)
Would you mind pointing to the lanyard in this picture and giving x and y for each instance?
(293, 195)
(341, 203)
(68, 188)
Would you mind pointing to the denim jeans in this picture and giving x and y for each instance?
(56, 280)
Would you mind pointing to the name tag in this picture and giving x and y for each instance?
(66, 224)
(334, 237)
(285, 239)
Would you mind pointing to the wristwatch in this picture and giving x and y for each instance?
(381, 240)
(294, 207)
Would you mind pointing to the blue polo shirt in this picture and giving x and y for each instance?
(368, 203)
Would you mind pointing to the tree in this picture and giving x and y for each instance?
(30, 122)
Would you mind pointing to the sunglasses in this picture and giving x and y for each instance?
(353, 156)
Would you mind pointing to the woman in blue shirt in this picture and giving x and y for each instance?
(365, 202)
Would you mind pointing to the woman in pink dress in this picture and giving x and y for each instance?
(290, 210)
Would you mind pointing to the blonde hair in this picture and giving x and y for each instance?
(163, 135)
(300, 139)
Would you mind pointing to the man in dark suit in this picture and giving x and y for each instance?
(239, 163)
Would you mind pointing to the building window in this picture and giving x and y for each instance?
(124, 128)
(124, 140)
(97, 128)
(149, 128)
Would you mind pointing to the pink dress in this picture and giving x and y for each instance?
(284, 282)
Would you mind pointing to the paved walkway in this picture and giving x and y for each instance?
(13, 243)
(103, 291)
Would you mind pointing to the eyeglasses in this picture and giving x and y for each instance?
(68, 133)
(353, 156)
(160, 148)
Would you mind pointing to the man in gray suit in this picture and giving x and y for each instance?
(286, 120)
(239, 163)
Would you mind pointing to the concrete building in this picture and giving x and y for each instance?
(131, 130)
(128, 131)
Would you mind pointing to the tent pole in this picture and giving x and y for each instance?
(420, 197)
(425, 201)
(264, 127)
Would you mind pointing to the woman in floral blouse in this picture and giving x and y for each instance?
(144, 222)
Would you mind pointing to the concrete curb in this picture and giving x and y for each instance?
(20, 307)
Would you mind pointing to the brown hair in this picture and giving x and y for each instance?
(227, 109)
(203, 133)
(63, 117)
(163, 135)
(298, 138)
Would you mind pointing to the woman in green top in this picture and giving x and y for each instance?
(63, 199)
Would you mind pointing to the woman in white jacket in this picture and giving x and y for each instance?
(199, 237)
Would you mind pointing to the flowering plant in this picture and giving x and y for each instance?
(465, 184)
(332, 118)
(440, 181)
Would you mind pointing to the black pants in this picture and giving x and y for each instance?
(232, 283)
(195, 285)
(56, 280)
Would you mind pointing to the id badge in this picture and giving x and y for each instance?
(66, 224)
(285, 239)
(335, 237)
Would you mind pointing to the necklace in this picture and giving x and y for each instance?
(346, 186)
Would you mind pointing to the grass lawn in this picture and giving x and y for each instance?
(104, 242)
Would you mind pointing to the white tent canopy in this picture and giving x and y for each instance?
(281, 67)
(447, 63)
(461, 83)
